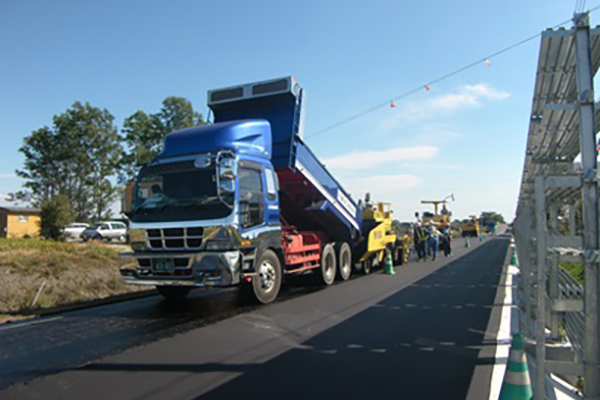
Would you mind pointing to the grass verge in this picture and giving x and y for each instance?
(67, 273)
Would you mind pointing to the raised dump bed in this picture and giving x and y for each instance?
(311, 199)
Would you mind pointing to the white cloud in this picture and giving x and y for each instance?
(434, 166)
(7, 175)
(373, 158)
(468, 96)
(483, 90)
(381, 185)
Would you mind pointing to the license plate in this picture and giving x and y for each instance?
(163, 265)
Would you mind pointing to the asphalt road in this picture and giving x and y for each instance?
(425, 333)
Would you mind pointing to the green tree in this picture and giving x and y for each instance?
(176, 113)
(77, 157)
(55, 215)
(41, 169)
(144, 134)
(140, 138)
(488, 217)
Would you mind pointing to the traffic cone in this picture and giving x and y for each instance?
(388, 266)
(516, 384)
(467, 243)
(513, 260)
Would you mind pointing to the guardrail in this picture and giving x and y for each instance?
(555, 189)
(574, 322)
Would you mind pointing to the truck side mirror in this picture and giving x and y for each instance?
(226, 174)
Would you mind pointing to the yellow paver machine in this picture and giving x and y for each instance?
(470, 227)
(377, 220)
(441, 219)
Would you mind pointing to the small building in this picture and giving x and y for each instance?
(17, 222)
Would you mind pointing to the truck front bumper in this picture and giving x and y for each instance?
(206, 269)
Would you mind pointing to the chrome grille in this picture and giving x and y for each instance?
(175, 238)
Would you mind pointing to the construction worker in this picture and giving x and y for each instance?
(434, 241)
(446, 242)
(417, 219)
(420, 238)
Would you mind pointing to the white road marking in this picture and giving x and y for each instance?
(22, 324)
(503, 337)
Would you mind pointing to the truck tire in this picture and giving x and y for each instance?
(328, 265)
(177, 293)
(367, 265)
(266, 284)
(344, 261)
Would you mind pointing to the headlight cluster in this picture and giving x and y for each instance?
(218, 245)
(138, 239)
(219, 240)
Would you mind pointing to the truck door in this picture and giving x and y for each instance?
(251, 195)
(272, 209)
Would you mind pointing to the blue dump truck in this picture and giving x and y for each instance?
(245, 202)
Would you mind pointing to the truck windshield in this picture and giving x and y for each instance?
(177, 192)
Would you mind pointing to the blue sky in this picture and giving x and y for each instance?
(464, 136)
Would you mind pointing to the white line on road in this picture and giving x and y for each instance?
(503, 338)
(22, 324)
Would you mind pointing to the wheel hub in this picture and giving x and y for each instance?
(266, 276)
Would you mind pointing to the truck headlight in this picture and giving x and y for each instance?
(138, 239)
(218, 240)
(218, 245)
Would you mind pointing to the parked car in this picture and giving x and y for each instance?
(107, 230)
(74, 230)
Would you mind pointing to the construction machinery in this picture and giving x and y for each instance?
(404, 241)
(441, 219)
(470, 227)
(378, 234)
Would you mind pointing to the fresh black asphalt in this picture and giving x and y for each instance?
(420, 334)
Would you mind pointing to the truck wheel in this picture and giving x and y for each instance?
(174, 292)
(344, 261)
(267, 282)
(366, 266)
(327, 265)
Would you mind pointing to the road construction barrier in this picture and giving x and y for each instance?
(516, 384)
(388, 265)
(513, 259)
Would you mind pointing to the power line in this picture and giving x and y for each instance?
(437, 80)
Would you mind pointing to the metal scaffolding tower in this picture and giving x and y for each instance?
(557, 214)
